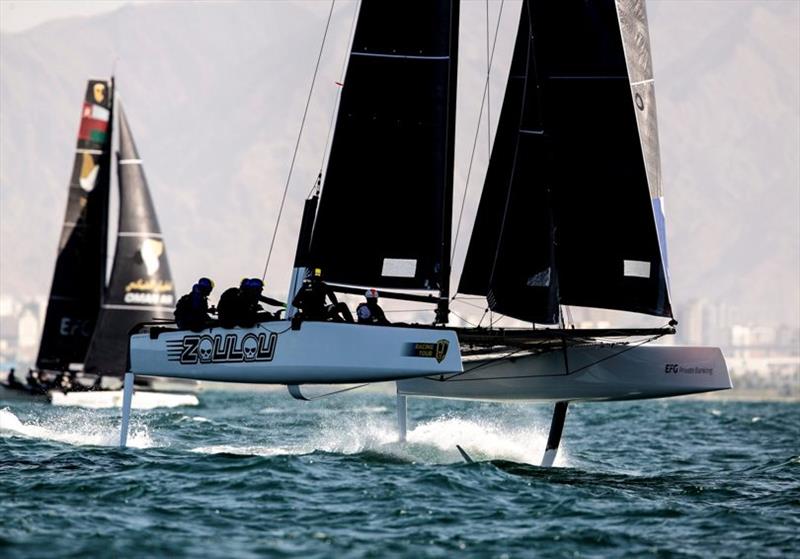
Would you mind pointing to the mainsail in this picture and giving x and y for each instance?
(140, 288)
(79, 276)
(385, 212)
(576, 166)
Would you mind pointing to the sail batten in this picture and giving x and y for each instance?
(383, 217)
(581, 221)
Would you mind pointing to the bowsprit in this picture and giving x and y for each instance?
(230, 348)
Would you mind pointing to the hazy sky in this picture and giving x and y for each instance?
(16, 15)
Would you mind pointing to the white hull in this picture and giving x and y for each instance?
(596, 373)
(319, 352)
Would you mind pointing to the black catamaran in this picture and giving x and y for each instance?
(570, 214)
(85, 334)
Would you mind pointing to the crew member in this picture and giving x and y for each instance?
(250, 293)
(192, 310)
(370, 312)
(229, 308)
(312, 299)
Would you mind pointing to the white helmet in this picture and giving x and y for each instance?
(371, 294)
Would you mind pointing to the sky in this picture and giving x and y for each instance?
(16, 15)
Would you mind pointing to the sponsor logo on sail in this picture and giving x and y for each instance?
(436, 350)
(99, 92)
(94, 124)
(75, 327)
(230, 348)
(150, 253)
(149, 292)
(89, 171)
(157, 299)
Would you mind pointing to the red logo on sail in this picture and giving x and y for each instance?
(94, 123)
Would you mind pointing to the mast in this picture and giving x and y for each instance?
(80, 269)
(443, 308)
(140, 288)
(384, 213)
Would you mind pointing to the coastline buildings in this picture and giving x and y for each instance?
(21, 320)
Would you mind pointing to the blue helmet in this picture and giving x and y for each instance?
(206, 284)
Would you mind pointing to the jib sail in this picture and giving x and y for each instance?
(576, 224)
(140, 288)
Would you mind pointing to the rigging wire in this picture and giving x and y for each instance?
(477, 133)
(489, 88)
(627, 347)
(339, 86)
(348, 389)
(297, 143)
(464, 320)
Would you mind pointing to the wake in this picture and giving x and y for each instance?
(428, 442)
(83, 431)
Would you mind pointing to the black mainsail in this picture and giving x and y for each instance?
(79, 276)
(384, 216)
(576, 167)
(140, 288)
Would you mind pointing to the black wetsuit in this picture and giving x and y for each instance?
(240, 307)
(312, 302)
(230, 309)
(371, 313)
(191, 312)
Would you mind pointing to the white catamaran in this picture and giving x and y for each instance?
(570, 215)
(82, 354)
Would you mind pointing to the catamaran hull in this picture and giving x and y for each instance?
(319, 352)
(588, 373)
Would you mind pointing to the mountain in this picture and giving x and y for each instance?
(215, 94)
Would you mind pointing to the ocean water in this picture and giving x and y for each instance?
(261, 475)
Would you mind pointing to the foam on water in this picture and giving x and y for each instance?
(429, 442)
(86, 432)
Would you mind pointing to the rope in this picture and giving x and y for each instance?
(477, 133)
(297, 143)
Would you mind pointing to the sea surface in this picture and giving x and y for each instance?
(261, 475)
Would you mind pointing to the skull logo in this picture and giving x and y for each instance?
(249, 347)
(204, 349)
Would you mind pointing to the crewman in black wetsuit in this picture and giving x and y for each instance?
(192, 310)
(239, 306)
(370, 312)
(229, 306)
(250, 293)
(312, 299)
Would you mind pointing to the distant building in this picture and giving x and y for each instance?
(28, 333)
